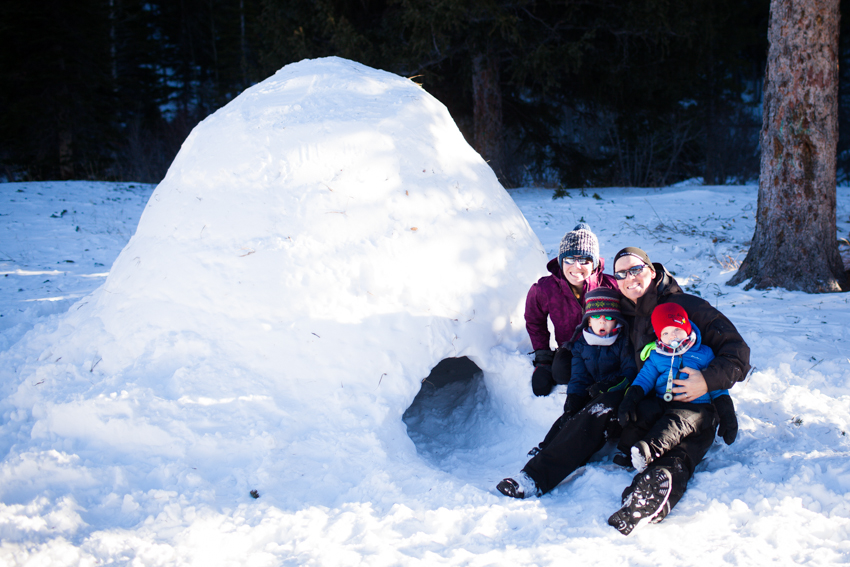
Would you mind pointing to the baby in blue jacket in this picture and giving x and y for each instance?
(655, 425)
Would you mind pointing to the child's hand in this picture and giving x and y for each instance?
(619, 383)
(628, 407)
(574, 404)
(690, 389)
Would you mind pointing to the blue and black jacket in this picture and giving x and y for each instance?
(653, 374)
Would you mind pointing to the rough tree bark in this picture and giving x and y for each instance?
(487, 111)
(66, 154)
(795, 245)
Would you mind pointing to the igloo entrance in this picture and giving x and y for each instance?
(449, 411)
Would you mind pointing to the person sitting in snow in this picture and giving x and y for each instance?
(655, 424)
(654, 492)
(560, 297)
(645, 285)
(602, 358)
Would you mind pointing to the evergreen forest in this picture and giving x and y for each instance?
(555, 93)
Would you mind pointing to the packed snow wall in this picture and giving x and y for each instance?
(316, 248)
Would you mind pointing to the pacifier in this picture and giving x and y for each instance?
(674, 344)
(668, 397)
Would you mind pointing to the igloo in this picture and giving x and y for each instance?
(317, 247)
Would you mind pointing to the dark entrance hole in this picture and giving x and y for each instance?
(445, 418)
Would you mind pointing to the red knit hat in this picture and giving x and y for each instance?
(670, 315)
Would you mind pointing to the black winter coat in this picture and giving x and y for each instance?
(594, 363)
(731, 354)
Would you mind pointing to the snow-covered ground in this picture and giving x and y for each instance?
(145, 394)
(58, 242)
(780, 494)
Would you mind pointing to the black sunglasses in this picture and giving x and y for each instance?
(634, 270)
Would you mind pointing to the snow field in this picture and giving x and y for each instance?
(59, 241)
(778, 495)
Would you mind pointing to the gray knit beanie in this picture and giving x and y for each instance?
(580, 241)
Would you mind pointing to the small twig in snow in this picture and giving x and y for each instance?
(656, 213)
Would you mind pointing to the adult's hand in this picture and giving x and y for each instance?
(541, 379)
(690, 389)
(728, 421)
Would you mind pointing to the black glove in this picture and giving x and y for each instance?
(619, 383)
(574, 404)
(543, 357)
(728, 428)
(541, 379)
(628, 407)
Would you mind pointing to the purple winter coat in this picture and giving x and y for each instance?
(552, 296)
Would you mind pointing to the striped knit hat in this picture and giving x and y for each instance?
(602, 301)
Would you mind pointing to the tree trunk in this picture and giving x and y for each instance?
(243, 45)
(487, 111)
(712, 174)
(795, 245)
(66, 154)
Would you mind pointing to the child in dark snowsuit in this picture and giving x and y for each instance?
(654, 425)
(602, 361)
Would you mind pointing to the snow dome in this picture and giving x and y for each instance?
(316, 248)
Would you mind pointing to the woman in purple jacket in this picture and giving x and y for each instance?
(560, 297)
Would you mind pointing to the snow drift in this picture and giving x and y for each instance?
(316, 248)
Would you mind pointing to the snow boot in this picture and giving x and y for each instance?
(523, 487)
(649, 502)
(641, 456)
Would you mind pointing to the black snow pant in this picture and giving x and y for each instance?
(663, 425)
(545, 378)
(680, 460)
(573, 441)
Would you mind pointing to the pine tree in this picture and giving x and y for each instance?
(794, 245)
(55, 88)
